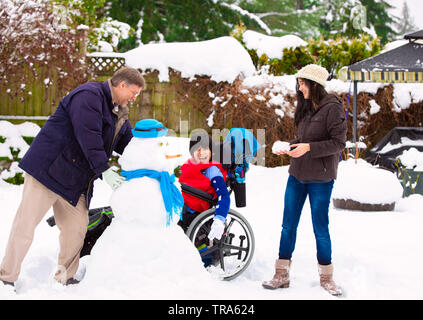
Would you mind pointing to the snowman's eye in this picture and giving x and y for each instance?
(161, 144)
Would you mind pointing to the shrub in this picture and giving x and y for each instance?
(14, 142)
(332, 54)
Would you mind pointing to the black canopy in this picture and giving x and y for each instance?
(402, 64)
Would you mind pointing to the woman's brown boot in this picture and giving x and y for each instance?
(281, 277)
(326, 280)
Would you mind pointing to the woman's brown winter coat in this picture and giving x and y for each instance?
(325, 130)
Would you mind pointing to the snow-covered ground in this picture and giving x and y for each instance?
(376, 255)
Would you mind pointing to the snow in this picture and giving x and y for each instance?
(374, 107)
(358, 181)
(13, 137)
(250, 15)
(105, 46)
(405, 141)
(279, 146)
(393, 45)
(412, 159)
(270, 45)
(202, 58)
(371, 250)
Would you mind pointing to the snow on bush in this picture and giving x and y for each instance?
(359, 181)
(14, 143)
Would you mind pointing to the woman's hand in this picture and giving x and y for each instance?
(299, 150)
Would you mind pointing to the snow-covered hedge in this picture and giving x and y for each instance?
(287, 54)
(14, 143)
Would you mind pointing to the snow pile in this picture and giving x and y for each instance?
(362, 182)
(412, 159)
(13, 137)
(269, 45)
(223, 59)
(13, 141)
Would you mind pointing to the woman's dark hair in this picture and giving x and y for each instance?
(305, 106)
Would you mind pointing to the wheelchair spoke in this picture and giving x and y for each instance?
(230, 246)
(228, 227)
(221, 256)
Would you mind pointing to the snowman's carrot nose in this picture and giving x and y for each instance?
(173, 156)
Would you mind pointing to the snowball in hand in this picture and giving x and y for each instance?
(280, 146)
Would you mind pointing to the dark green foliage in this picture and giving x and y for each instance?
(354, 17)
(378, 17)
(5, 162)
(174, 20)
(16, 179)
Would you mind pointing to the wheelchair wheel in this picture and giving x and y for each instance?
(234, 251)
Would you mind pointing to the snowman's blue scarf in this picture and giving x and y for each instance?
(172, 197)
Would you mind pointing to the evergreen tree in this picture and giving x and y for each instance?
(193, 20)
(300, 17)
(405, 23)
(175, 20)
(351, 18)
(379, 18)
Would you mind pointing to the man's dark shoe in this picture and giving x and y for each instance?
(72, 281)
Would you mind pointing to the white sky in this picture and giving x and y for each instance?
(415, 7)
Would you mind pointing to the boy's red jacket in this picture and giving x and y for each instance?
(191, 174)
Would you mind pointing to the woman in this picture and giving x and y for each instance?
(321, 135)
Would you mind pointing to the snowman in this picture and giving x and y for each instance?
(144, 249)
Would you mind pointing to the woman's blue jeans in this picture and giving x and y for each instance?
(319, 196)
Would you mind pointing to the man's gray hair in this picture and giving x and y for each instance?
(129, 75)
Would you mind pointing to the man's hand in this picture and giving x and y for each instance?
(113, 178)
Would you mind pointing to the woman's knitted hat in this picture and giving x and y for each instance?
(313, 72)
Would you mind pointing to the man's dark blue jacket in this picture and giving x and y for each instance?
(74, 146)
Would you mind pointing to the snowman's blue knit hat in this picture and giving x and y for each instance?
(149, 128)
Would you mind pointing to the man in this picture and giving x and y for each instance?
(71, 151)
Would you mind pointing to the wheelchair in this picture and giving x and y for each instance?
(234, 251)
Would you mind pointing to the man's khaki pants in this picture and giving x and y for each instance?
(71, 221)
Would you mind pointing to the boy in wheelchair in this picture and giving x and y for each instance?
(207, 175)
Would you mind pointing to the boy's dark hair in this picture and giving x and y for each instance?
(129, 75)
(305, 106)
(200, 139)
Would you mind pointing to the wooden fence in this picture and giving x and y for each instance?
(36, 101)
